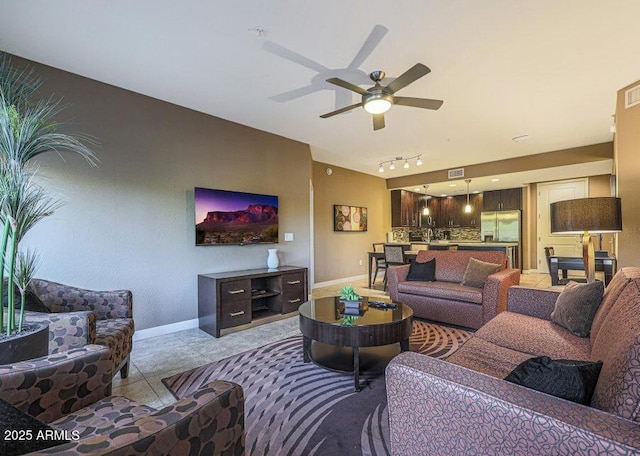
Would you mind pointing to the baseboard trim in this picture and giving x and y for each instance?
(165, 329)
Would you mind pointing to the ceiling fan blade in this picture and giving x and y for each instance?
(406, 78)
(378, 121)
(296, 93)
(288, 54)
(369, 45)
(347, 85)
(418, 102)
(340, 111)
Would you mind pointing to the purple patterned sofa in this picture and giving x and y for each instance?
(70, 391)
(109, 318)
(446, 300)
(462, 405)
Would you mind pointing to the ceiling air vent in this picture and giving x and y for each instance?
(456, 173)
(632, 97)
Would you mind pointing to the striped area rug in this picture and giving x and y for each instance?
(293, 408)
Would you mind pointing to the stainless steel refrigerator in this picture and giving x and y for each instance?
(502, 226)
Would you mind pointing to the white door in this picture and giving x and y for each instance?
(563, 244)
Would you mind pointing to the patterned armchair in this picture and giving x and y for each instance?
(109, 318)
(75, 398)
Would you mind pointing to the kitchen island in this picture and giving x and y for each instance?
(510, 249)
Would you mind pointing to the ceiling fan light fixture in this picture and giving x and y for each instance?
(406, 164)
(419, 161)
(392, 166)
(377, 103)
(381, 168)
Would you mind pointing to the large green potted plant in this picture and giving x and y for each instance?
(28, 128)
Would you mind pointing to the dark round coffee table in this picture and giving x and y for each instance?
(364, 342)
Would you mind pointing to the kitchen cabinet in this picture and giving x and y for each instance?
(404, 208)
(502, 200)
(434, 208)
(472, 219)
(445, 216)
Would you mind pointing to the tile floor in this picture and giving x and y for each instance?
(163, 356)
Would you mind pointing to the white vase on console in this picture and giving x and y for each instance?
(272, 259)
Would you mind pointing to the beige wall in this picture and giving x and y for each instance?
(627, 148)
(130, 222)
(583, 154)
(337, 254)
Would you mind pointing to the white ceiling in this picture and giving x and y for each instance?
(504, 68)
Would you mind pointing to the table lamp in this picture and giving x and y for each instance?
(585, 216)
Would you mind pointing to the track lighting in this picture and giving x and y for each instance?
(392, 161)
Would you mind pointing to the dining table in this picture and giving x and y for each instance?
(375, 256)
(608, 265)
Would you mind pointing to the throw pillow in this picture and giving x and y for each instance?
(577, 306)
(422, 272)
(477, 272)
(568, 379)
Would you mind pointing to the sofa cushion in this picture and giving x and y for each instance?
(618, 346)
(452, 264)
(534, 336)
(422, 272)
(442, 290)
(568, 379)
(613, 291)
(477, 272)
(577, 305)
(491, 359)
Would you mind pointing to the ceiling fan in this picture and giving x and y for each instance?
(378, 99)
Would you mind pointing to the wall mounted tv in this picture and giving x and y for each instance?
(227, 217)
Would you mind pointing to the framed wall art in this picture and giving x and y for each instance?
(349, 218)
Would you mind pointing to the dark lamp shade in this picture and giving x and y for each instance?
(595, 215)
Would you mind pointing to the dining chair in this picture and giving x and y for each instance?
(393, 256)
(378, 247)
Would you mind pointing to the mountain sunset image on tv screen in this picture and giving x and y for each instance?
(228, 217)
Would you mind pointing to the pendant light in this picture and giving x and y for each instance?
(468, 208)
(425, 211)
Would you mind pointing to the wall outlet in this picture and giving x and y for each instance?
(360, 262)
(288, 237)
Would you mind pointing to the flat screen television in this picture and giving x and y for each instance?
(227, 217)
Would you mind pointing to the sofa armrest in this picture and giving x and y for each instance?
(535, 302)
(65, 298)
(67, 330)
(461, 411)
(395, 275)
(50, 387)
(210, 421)
(494, 295)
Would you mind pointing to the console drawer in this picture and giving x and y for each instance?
(293, 291)
(235, 313)
(235, 290)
